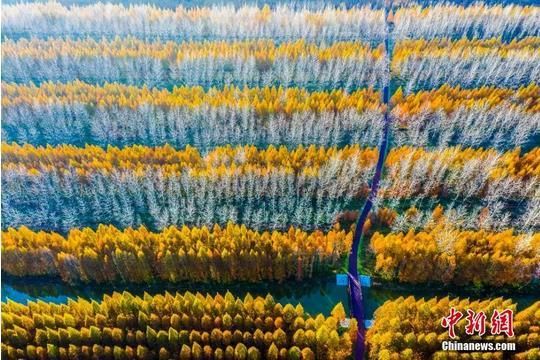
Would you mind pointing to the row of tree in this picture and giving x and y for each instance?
(284, 22)
(494, 216)
(269, 100)
(128, 115)
(474, 21)
(532, 353)
(173, 323)
(416, 64)
(303, 160)
(186, 352)
(263, 101)
(421, 64)
(274, 188)
(411, 329)
(78, 113)
(245, 158)
(308, 72)
(447, 99)
(133, 47)
(233, 253)
(60, 202)
(502, 127)
(444, 254)
(204, 127)
(500, 118)
(410, 170)
(448, 46)
(209, 64)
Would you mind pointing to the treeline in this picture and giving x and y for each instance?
(449, 99)
(133, 47)
(232, 253)
(271, 99)
(78, 113)
(284, 22)
(475, 21)
(440, 253)
(451, 256)
(416, 64)
(272, 188)
(411, 329)
(493, 216)
(180, 326)
(114, 114)
(263, 100)
(61, 201)
(244, 159)
(422, 64)
(499, 118)
(254, 63)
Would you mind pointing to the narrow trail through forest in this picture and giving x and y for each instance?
(355, 289)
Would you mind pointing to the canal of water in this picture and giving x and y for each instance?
(316, 296)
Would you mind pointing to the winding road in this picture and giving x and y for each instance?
(355, 290)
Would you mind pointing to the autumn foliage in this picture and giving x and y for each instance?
(261, 188)
(443, 254)
(265, 100)
(323, 24)
(411, 329)
(450, 99)
(121, 115)
(232, 253)
(180, 326)
(419, 64)
(306, 160)
(267, 50)
(316, 23)
(461, 48)
(232, 143)
(349, 65)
